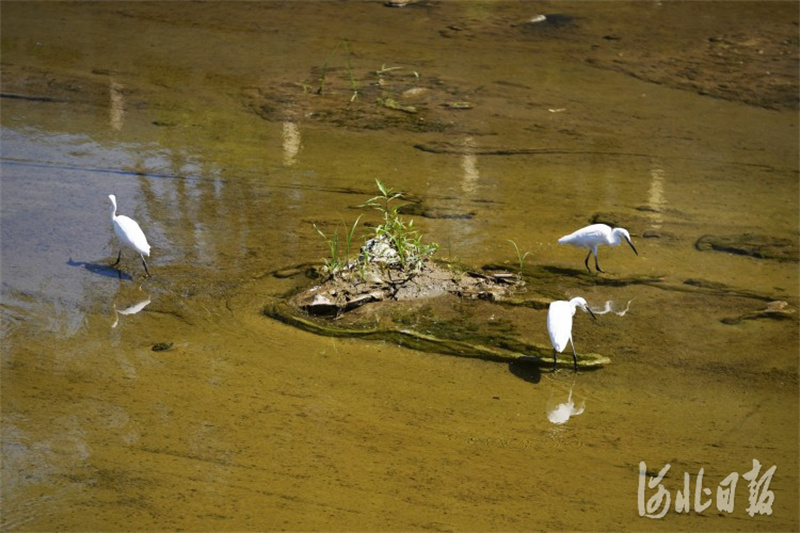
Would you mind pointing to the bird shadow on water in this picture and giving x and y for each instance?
(565, 271)
(527, 369)
(100, 269)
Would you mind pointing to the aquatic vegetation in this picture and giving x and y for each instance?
(334, 263)
(484, 349)
(391, 103)
(400, 235)
(348, 66)
(457, 105)
(396, 244)
(520, 256)
(757, 246)
(384, 69)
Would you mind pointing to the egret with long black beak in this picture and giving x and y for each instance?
(129, 234)
(559, 326)
(596, 235)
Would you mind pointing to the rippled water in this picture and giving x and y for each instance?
(205, 122)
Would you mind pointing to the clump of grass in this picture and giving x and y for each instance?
(397, 243)
(351, 75)
(332, 263)
(520, 256)
(335, 263)
(397, 233)
(454, 262)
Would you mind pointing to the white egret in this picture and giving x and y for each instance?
(596, 235)
(129, 234)
(559, 325)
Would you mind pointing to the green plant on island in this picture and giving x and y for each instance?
(396, 244)
(520, 256)
(396, 232)
(334, 263)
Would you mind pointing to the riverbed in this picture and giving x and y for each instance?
(232, 131)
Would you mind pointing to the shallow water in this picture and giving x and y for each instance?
(203, 120)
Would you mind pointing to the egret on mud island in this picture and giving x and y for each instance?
(596, 235)
(559, 326)
(129, 234)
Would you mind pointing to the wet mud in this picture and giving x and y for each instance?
(190, 400)
(440, 313)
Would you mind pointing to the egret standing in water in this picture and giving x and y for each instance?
(129, 234)
(596, 235)
(559, 326)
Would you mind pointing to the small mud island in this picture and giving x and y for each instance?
(394, 290)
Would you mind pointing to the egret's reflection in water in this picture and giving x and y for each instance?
(564, 411)
(609, 308)
(131, 310)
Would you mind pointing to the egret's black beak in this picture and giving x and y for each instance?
(590, 312)
(632, 247)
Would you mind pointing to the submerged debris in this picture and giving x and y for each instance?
(382, 279)
(758, 246)
(776, 310)
(162, 346)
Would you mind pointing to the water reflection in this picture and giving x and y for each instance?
(655, 196)
(469, 163)
(116, 110)
(562, 412)
(130, 310)
(459, 233)
(292, 143)
(609, 307)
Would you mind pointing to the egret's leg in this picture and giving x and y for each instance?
(118, 258)
(555, 359)
(145, 265)
(586, 262)
(596, 265)
(574, 355)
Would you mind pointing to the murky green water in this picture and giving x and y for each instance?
(204, 120)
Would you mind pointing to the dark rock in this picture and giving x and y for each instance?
(758, 246)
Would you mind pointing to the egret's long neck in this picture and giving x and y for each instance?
(113, 210)
(575, 304)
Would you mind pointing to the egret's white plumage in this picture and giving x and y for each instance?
(129, 234)
(596, 235)
(559, 325)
